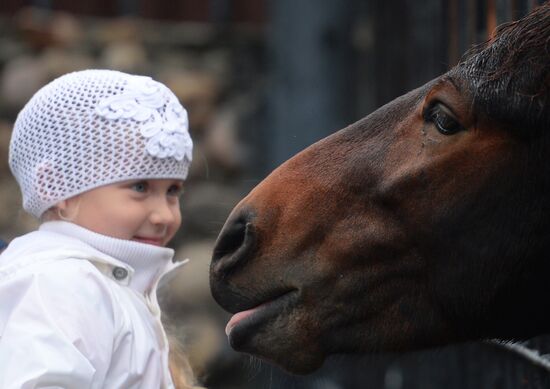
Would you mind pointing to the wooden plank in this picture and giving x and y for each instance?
(522, 8)
(471, 23)
(127, 7)
(181, 10)
(11, 6)
(454, 53)
(491, 18)
(311, 92)
(95, 8)
(503, 11)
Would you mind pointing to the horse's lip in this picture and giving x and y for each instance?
(259, 313)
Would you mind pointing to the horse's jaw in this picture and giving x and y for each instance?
(294, 305)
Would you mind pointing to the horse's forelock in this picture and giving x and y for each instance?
(509, 75)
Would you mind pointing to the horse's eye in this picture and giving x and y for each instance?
(443, 119)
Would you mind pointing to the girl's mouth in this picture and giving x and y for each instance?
(146, 240)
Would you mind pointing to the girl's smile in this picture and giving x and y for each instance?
(145, 211)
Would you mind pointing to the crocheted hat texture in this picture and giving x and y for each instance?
(96, 127)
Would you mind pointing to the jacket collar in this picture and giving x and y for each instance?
(137, 265)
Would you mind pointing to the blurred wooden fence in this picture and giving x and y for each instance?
(414, 42)
(473, 21)
(333, 62)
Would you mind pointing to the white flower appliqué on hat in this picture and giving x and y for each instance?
(167, 133)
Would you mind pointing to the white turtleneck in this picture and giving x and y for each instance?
(147, 262)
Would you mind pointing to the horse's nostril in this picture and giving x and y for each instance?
(230, 240)
(234, 244)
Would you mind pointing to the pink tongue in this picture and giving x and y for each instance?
(237, 318)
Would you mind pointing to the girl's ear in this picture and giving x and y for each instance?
(62, 205)
(67, 209)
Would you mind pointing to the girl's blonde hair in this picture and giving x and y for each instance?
(180, 369)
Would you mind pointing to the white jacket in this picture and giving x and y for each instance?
(79, 310)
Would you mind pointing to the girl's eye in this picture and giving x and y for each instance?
(140, 187)
(175, 190)
(443, 120)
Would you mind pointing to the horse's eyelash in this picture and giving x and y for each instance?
(430, 109)
(427, 114)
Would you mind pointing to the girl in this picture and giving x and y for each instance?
(100, 157)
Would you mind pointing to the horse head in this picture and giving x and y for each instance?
(425, 223)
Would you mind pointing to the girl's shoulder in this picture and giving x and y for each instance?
(26, 256)
(67, 279)
(38, 262)
(50, 255)
(68, 301)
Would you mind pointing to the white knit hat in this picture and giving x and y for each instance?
(96, 127)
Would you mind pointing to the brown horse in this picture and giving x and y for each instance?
(425, 223)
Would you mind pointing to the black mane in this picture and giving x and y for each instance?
(509, 75)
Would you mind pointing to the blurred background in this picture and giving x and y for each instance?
(261, 80)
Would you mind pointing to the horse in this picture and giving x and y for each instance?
(424, 224)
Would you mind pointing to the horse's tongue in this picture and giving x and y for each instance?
(237, 318)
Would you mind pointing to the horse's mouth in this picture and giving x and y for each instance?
(245, 322)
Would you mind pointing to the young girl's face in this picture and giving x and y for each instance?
(146, 211)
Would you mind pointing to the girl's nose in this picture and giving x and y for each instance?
(163, 213)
